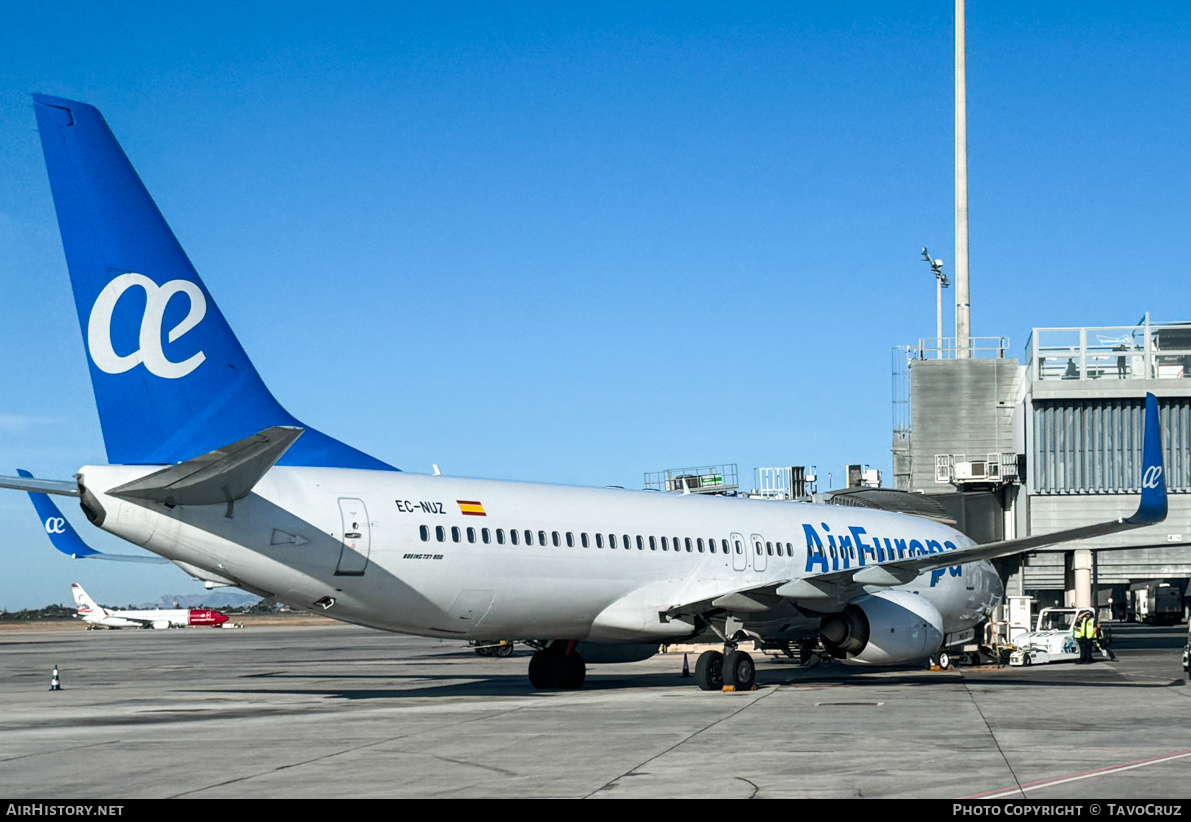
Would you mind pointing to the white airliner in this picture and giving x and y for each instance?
(95, 614)
(209, 471)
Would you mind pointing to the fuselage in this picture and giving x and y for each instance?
(484, 559)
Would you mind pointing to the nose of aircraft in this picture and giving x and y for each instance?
(207, 617)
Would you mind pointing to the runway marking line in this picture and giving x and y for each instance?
(1075, 777)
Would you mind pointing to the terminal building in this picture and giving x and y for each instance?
(1052, 441)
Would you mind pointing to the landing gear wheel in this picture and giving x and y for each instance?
(709, 671)
(572, 670)
(543, 673)
(739, 671)
(552, 669)
(944, 660)
(504, 649)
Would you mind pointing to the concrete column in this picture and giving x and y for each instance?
(1081, 567)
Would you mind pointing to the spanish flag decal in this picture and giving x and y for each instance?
(471, 508)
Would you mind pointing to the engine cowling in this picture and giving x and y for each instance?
(887, 628)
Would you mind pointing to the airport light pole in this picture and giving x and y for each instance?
(963, 308)
(936, 267)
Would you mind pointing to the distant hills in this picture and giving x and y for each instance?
(217, 598)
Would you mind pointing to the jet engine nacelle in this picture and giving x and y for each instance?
(883, 629)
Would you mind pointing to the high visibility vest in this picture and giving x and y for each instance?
(1085, 628)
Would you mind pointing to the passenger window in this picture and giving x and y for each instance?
(599, 540)
(769, 548)
(441, 533)
(542, 538)
(513, 535)
(486, 535)
(583, 539)
(570, 540)
(700, 542)
(425, 532)
(653, 543)
(528, 537)
(739, 547)
(628, 543)
(454, 533)
(500, 536)
(688, 545)
(665, 544)
(471, 534)
(724, 546)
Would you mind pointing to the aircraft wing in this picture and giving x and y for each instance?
(1151, 510)
(845, 584)
(750, 598)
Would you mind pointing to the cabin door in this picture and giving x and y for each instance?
(357, 538)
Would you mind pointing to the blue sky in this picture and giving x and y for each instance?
(575, 243)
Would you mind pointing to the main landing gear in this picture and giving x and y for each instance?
(558, 666)
(733, 670)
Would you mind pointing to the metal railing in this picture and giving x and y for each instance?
(706, 479)
(1147, 351)
(983, 348)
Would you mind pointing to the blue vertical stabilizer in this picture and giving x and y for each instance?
(170, 378)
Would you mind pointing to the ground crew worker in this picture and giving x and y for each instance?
(1084, 630)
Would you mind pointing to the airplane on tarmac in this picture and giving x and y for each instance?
(98, 616)
(209, 470)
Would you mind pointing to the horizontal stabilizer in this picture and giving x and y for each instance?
(35, 486)
(224, 475)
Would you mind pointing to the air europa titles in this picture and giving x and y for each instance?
(842, 550)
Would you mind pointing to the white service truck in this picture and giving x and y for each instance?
(1052, 639)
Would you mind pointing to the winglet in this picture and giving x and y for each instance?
(1153, 477)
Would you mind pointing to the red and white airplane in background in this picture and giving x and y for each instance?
(95, 614)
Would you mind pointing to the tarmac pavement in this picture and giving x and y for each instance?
(338, 711)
